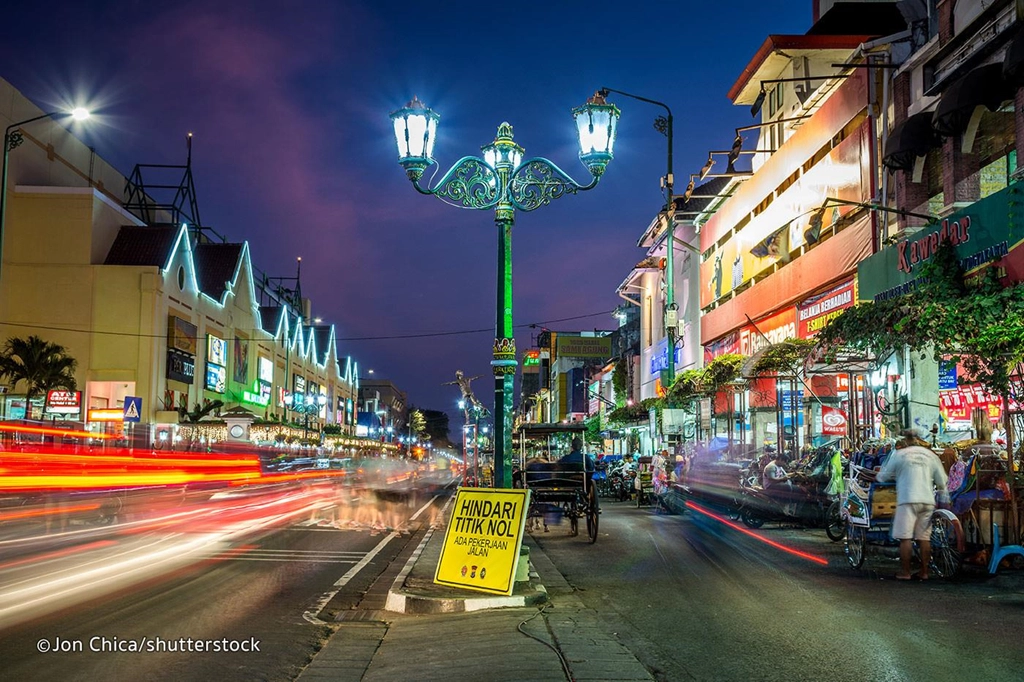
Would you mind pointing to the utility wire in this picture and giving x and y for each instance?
(392, 337)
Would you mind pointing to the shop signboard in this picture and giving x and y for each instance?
(216, 350)
(265, 370)
(180, 367)
(298, 384)
(947, 375)
(181, 335)
(775, 329)
(596, 347)
(833, 421)
(482, 540)
(816, 312)
(981, 234)
(216, 378)
(659, 358)
(64, 402)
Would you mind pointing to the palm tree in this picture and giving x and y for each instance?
(42, 365)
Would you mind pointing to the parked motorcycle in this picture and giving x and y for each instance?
(809, 507)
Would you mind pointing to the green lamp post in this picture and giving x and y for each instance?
(503, 181)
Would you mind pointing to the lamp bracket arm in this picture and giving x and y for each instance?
(537, 182)
(642, 99)
(470, 183)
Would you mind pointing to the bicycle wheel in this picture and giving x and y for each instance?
(835, 524)
(856, 542)
(947, 543)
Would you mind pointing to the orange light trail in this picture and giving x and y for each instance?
(45, 512)
(746, 531)
(46, 431)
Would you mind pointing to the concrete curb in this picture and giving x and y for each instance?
(401, 600)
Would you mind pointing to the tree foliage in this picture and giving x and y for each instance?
(619, 379)
(39, 364)
(978, 323)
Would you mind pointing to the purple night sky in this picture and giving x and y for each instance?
(294, 152)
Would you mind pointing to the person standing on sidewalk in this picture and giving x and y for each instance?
(918, 473)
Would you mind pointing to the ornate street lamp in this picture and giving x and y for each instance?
(12, 140)
(306, 405)
(502, 180)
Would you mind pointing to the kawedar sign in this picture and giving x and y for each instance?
(482, 541)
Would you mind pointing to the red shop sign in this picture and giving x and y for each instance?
(833, 421)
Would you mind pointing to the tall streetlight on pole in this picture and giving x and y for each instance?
(306, 405)
(12, 140)
(502, 180)
(663, 124)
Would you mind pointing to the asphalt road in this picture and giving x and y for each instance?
(696, 599)
(266, 589)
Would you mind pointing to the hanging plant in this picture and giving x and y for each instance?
(781, 359)
(978, 323)
(723, 370)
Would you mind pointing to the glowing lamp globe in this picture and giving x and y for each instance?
(415, 130)
(596, 123)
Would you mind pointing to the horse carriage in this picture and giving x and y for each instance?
(560, 489)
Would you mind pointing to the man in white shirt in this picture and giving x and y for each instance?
(918, 472)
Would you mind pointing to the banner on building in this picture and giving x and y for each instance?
(181, 335)
(816, 312)
(598, 347)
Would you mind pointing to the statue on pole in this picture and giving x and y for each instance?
(470, 400)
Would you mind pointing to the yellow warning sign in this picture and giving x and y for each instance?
(481, 544)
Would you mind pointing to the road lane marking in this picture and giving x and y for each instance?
(312, 615)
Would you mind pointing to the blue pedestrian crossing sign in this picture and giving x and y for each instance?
(132, 408)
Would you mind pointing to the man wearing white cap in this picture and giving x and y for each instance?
(918, 473)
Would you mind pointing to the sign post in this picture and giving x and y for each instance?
(483, 538)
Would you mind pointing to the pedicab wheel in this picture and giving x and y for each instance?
(835, 524)
(592, 518)
(750, 518)
(947, 544)
(856, 539)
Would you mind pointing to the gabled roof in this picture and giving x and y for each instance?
(215, 267)
(270, 316)
(150, 245)
(322, 334)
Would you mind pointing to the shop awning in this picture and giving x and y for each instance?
(1013, 61)
(984, 86)
(908, 140)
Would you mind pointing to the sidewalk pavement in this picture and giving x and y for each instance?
(432, 632)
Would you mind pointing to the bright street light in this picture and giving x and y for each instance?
(12, 140)
(504, 180)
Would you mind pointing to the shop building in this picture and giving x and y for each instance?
(151, 306)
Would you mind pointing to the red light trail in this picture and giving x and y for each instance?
(745, 531)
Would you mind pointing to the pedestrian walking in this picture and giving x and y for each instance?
(918, 473)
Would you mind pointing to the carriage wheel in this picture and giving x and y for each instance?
(592, 518)
(835, 524)
(947, 539)
(856, 540)
(750, 518)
